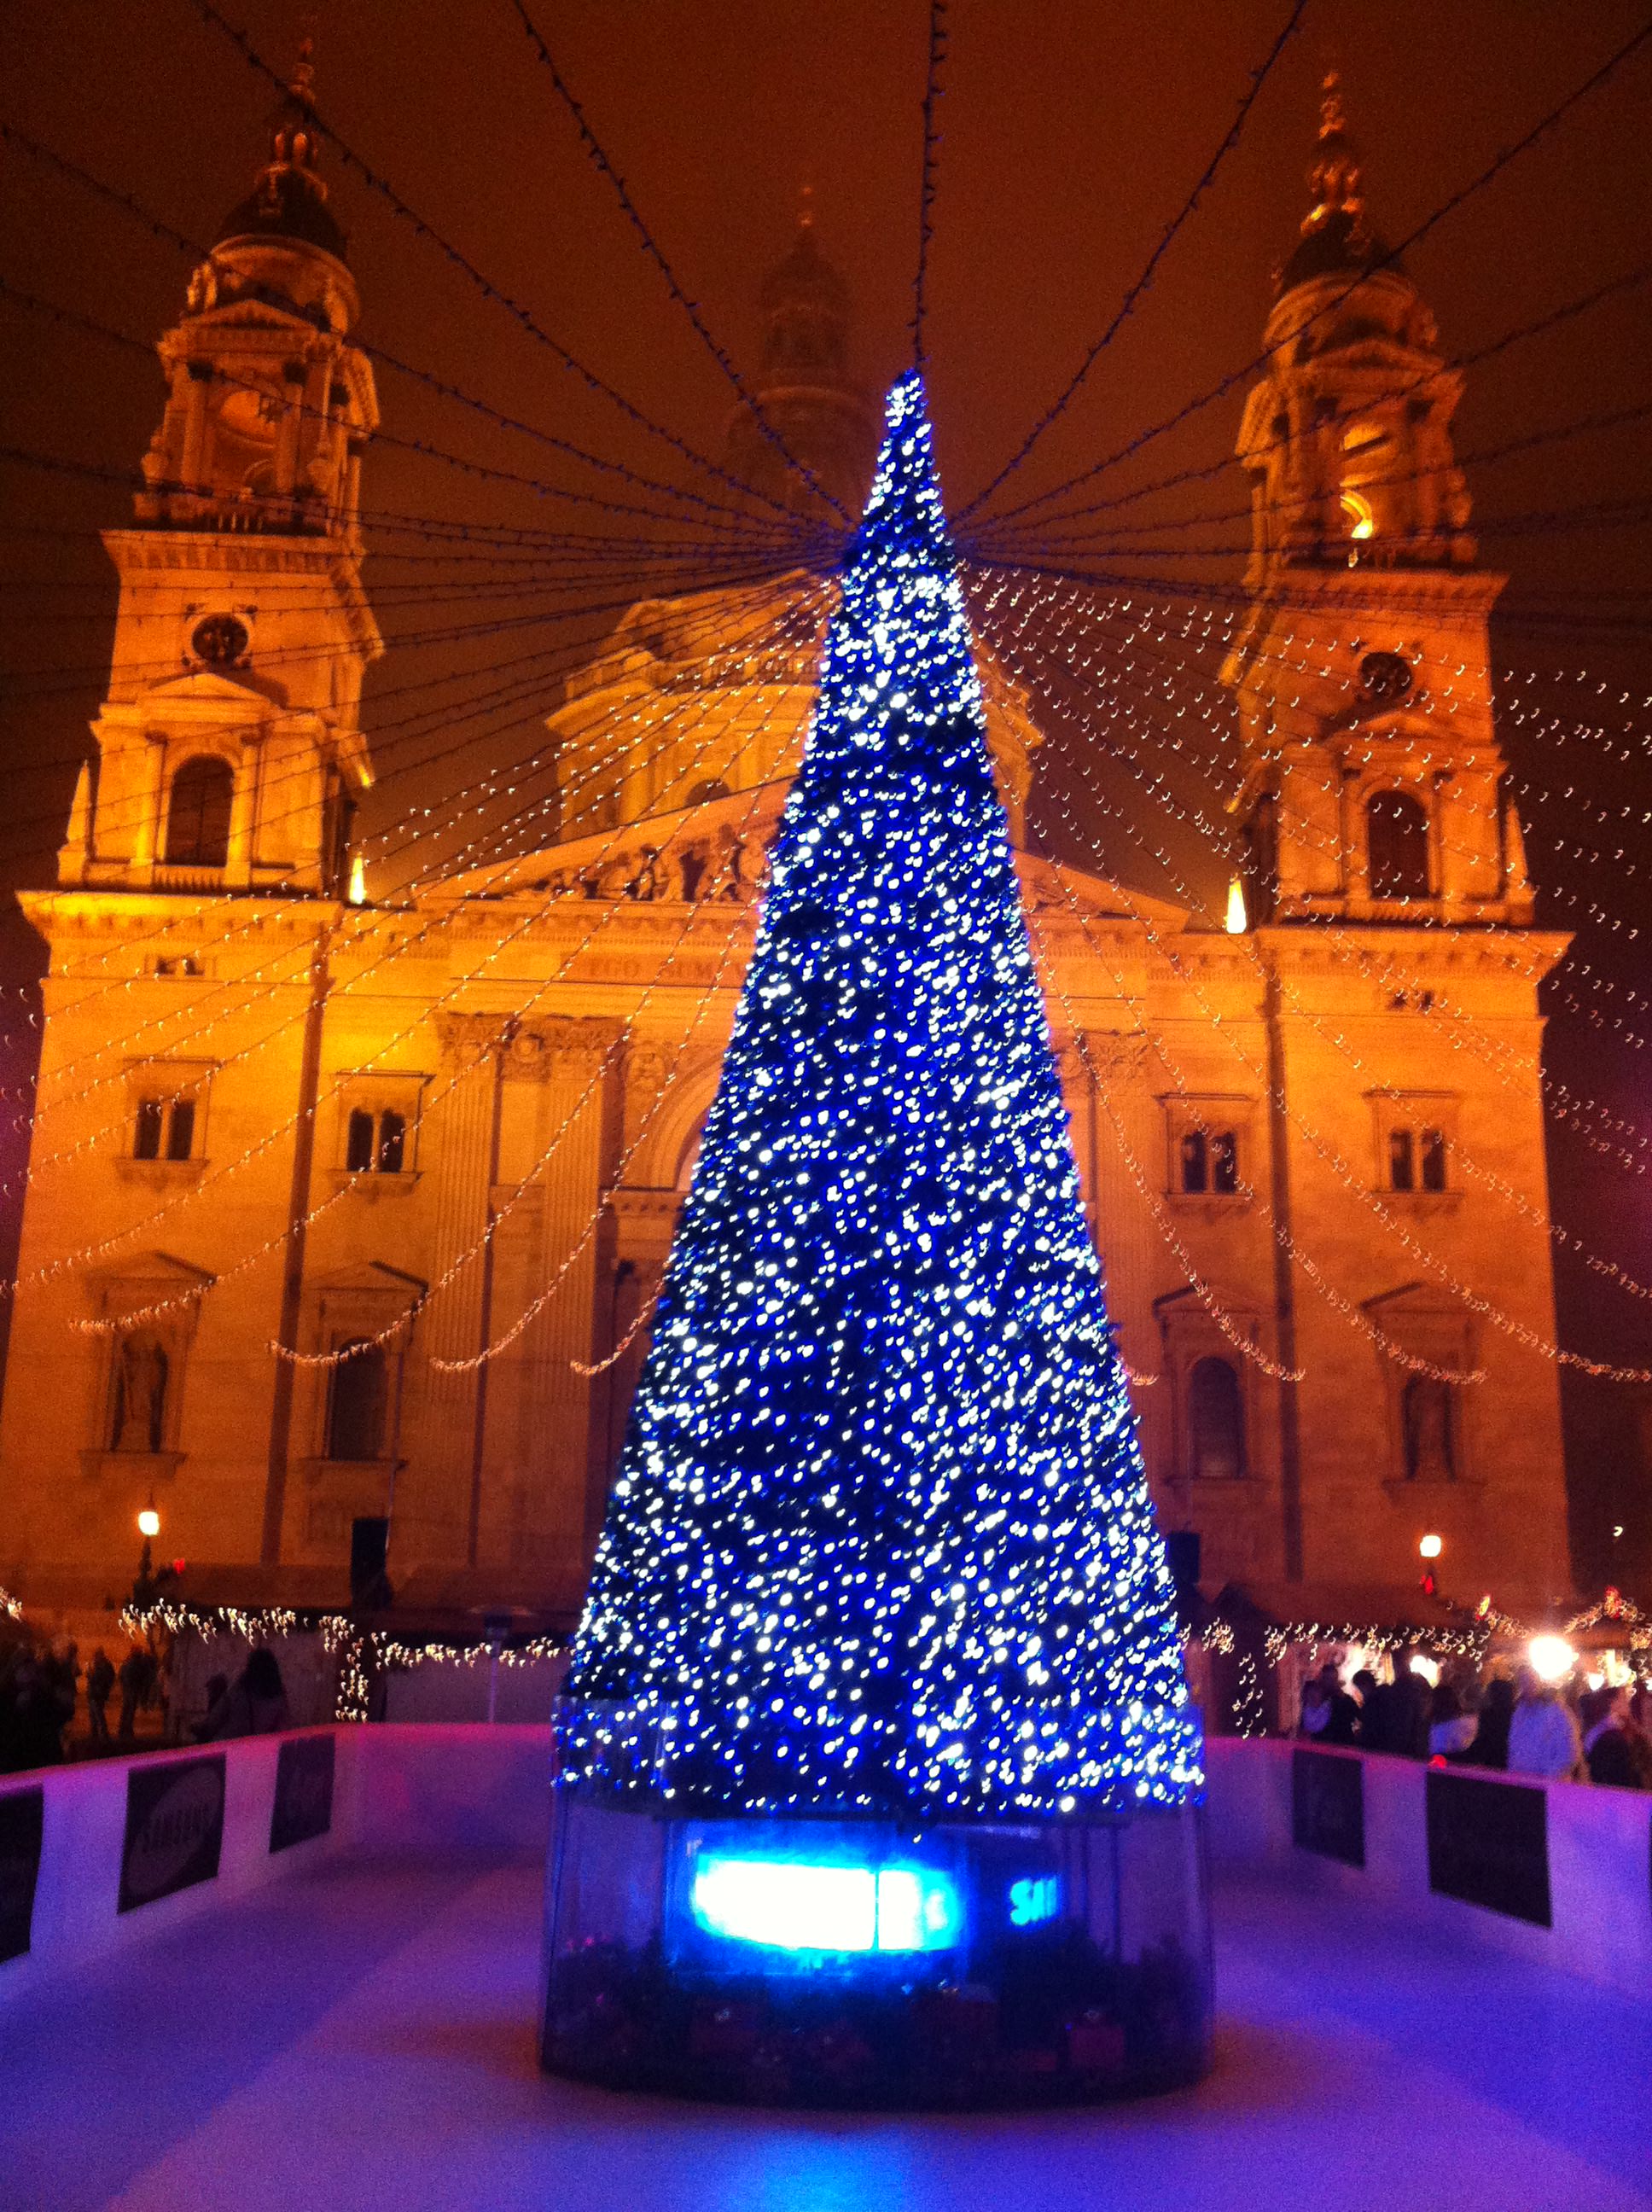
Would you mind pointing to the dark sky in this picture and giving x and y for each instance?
(1072, 133)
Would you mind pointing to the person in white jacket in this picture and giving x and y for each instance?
(1543, 1735)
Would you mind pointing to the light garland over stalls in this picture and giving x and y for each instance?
(881, 1537)
(361, 1653)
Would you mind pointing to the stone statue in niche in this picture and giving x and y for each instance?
(1427, 1408)
(140, 1410)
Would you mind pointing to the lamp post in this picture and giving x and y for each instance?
(1428, 1549)
(151, 1580)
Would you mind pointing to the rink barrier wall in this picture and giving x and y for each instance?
(169, 1834)
(1433, 1839)
(431, 1789)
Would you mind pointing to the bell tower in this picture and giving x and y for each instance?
(804, 387)
(1374, 782)
(229, 755)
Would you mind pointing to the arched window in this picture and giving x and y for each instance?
(356, 1394)
(1428, 1412)
(1396, 843)
(1215, 1429)
(198, 813)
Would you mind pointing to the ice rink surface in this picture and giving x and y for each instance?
(361, 2039)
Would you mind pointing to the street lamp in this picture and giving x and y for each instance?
(149, 1584)
(1428, 1549)
(1551, 1658)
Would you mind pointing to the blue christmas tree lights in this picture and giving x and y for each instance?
(881, 1540)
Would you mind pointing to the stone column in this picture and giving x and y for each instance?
(243, 807)
(456, 1145)
(147, 841)
(542, 1442)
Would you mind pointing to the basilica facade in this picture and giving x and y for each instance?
(345, 1220)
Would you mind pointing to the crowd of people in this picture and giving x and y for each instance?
(1518, 1723)
(52, 1709)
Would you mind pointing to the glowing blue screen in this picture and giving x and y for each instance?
(791, 1905)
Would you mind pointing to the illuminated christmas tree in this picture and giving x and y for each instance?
(881, 1539)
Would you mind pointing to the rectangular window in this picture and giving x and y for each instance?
(146, 1140)
(1434, 1159)
(180, 1130)
(358, 1142)
(393, 1143)
(1402, 1160)
(1193, 1161)
(1224, 1163)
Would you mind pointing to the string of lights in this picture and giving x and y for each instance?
(1308, 503)
(1343, 412)
(735, 526)
(1329, 1156)
(433, 922)
(595, 780)
(1142, 284)
(1183, 680)
(1516, 1074)
(1539, 131)
(606, 911)
(594, 383)
(129, 204)
(1267, 970)
(382, 846)
(928, 176)
(604, 168)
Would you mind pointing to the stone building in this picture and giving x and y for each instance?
(448, 1136)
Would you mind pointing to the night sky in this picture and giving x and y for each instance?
(1072, 135)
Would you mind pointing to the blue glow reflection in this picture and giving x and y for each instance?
(790, 1906)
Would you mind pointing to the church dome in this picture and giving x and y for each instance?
(1336, 238)
(289, 200)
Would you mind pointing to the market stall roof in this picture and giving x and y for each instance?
(1342, 1612)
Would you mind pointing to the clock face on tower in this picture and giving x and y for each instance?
(219, 639)
(1385, 676)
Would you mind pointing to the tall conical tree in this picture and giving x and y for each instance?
(881, 1537)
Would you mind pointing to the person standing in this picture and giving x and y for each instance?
(134, 1679)
(1491, 1744)
(1609, 1747)
(1542, 1734)
(100, 1683)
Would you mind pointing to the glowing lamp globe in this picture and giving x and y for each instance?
(1430, 1547)
(880, 1782)
(148, 1521)
(1551, 1658)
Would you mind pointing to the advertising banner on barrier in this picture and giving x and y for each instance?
(303, 1777)
(1327, 1806)
(22, 1824)
(174, 1828)
(1488, 1844)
